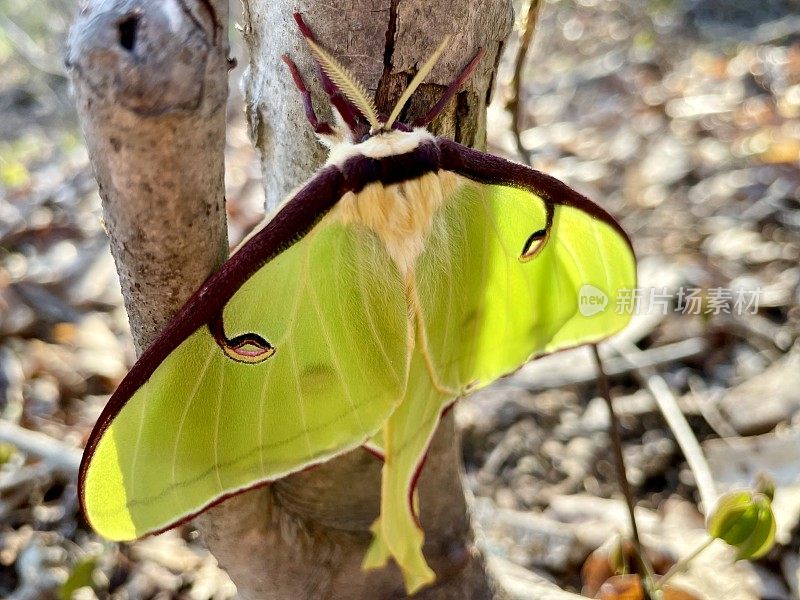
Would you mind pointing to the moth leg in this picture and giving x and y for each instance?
(451, 90)
(350, 113)
(320, 127)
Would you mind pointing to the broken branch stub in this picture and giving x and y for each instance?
(150, 80)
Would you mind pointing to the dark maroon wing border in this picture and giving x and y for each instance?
(298, 217)
(488, 168)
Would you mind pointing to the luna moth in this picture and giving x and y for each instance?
(407, 272)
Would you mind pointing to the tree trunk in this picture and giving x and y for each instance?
(150, 79)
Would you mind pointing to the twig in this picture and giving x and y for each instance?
(622, 476)
(707, 406)
(519, 583)
(759, 327)
(28, 49)
(56, 454)
(677, 422)
(540, 374)
(14, 499)
(775, 30)
(530, 16)
(25, 477)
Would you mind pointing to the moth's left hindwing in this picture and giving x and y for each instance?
(204, 426)
(507, 276)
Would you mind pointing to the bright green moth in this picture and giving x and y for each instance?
(407, 272)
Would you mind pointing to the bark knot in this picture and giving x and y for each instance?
(149, 56)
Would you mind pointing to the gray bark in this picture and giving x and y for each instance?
(150, 80)
(153, 117)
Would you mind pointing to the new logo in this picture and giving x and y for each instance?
(591, 300)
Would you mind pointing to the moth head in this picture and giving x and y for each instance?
(357, 116)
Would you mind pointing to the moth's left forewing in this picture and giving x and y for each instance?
(517, 265)
(201, 425)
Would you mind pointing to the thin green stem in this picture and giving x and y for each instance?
(681, 565)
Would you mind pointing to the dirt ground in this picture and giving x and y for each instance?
(681, 117)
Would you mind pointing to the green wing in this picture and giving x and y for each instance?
(488, 299)
(205, 426)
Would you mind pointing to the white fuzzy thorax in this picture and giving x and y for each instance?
(400, 214)
(378, 146)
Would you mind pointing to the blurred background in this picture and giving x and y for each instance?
(682, 117)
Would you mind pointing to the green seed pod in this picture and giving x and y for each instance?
(744, 519)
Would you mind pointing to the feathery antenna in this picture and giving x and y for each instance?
(415, 83)
(352, 99)
(451, 90)
(348, 84)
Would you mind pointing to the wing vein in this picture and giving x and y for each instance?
(490, 217)
(581, 275)
(602, 251)
(216, 424)
(184, 414)
(135, 458)
(371, 322)
(334, 357)
(344, 317)
(290, 323)
(300, 400)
